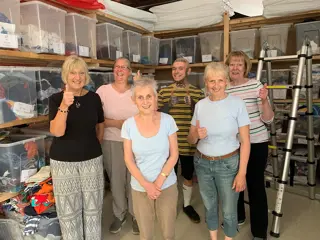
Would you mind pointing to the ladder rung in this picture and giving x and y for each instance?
(281, 58)
(280, 87)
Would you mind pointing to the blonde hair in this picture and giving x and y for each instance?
(182, 60)
(216, 67)
(70, 64)
(145, 82)
(246, 59)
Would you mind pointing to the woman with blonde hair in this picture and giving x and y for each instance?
(220, 122)
(150, 153)
(76, 121)
(255, 96)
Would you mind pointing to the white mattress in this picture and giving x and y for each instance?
(130, 14)
(278, 8)
(190, 14)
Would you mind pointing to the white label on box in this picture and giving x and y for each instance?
(8, 41)
(20, 107)
(189, 58)
(163, 60)
(302, 141)
(83, 51)
(59, 48)
(25, 174)
(136, 58)
(118, 54)
(207, 58)
(272, 53)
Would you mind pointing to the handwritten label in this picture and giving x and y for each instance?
(8, 41)
(118, 54)
(163, 60)
(207, 58)
(189, 58)
(83, 51)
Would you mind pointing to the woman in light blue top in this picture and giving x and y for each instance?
(150, 153)
(220, 122)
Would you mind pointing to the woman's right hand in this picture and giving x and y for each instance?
(68, 98)
(201, 131)
(152, 190)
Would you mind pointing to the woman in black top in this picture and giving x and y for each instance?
(76, 120)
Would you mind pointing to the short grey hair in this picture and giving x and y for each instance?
(145, 82)
(125, 59)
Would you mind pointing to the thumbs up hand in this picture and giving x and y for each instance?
(68, 97)
(202, 132)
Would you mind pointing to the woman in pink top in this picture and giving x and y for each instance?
(118, 106)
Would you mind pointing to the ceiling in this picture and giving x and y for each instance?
(144, 4)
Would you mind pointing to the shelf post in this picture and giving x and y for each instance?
(226, 29)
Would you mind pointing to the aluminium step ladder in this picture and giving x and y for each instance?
(305, 59)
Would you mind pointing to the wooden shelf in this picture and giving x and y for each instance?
(12, 57)
(24, 121)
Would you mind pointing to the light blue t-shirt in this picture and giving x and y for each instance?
(151, 153)
(222, 120)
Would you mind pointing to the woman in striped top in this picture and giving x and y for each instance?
(260, 112)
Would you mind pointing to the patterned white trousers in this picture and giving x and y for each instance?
(78, 190)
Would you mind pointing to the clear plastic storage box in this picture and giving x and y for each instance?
(49, 82)
(150, 50)
(315, 80)
(80, 35)
(188, 48)
(211, 46)
(166, 51)
(109, 41)
(20, 157)
(42, 28)
(9, 23)
(276, 36)
(18, 95)
(98, 79)
(244, 40)
(310, 30)
(279, 77)
(132, 46)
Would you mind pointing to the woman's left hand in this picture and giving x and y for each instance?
(137, 76)
(263, 93)
(239, 183)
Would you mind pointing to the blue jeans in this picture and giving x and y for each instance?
(215, 180)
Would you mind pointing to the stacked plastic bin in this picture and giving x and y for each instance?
(150, 50)
(109, 41)
(279, 77)
(18, 96)
(244, 40)
(315, 80)
(42, 28)
(132, 46)
(48, 82)
(211, 46)
(80, 35)
(98, 79)
(9, 23)
(188, 48)
(311, 30)
(166, 51)
(21, 156)
(276, 36)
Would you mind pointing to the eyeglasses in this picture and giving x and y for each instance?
(121, 67)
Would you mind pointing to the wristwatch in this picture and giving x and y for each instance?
(164, 174)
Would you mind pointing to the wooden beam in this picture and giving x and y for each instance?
(226, 36)
(24, 121)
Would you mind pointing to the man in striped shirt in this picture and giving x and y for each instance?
(181, 98)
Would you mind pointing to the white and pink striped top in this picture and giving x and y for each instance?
(249, 92)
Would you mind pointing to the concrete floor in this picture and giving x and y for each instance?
(301, 220)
